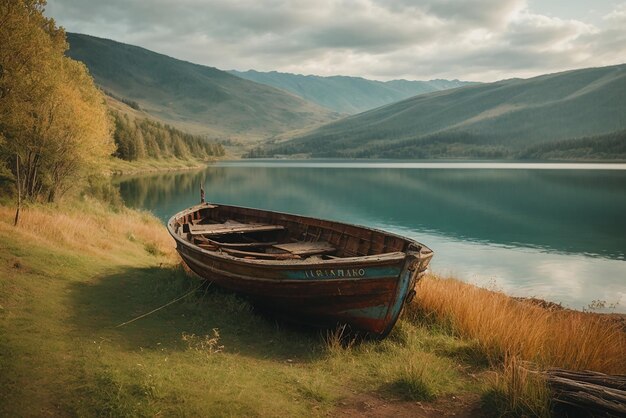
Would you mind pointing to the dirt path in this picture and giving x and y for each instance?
(374, 406)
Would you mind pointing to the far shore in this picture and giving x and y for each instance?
(117, 167)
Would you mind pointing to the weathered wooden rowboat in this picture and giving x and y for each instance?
(309, 270)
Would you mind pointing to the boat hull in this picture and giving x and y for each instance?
(366, 293)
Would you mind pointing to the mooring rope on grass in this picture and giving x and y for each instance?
(164, 306)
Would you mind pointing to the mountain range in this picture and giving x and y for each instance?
(348, 95)
(574, 114)
(195, 98)
(209, 101)
(505, 119)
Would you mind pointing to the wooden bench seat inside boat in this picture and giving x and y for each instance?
(201, 240)
(267, 256)
(268, 250)
(231, 228)
(306, 248)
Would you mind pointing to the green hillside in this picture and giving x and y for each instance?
(496, 120)
(348, 95)
(195, 98)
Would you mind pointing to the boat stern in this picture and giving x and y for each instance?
(418, 260)
(415, 267)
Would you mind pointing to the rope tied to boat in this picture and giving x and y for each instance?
(164, 306)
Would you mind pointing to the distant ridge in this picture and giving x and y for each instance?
(344, 94)
(196, 98)
(507, 119)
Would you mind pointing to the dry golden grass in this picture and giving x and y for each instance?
(518, 391)
(505, 327)
(88, 226)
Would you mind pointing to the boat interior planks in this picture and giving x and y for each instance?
(319, 271)
(307, 248)
(230, 228)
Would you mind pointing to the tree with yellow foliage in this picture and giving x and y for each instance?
(54, 126)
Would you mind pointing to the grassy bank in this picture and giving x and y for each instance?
(118, 166)
(70, 274)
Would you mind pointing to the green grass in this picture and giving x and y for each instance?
(61, 352)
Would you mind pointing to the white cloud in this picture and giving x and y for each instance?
(472, 39)
(617, 18)
(545, 33)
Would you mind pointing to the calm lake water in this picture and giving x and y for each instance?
(553, 231)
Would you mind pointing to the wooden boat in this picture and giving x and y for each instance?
(309, 270)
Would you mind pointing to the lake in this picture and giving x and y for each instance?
(552, 231)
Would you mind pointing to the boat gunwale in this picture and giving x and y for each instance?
(243, 277)
(306, 262)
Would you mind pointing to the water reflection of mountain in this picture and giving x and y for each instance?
(560, 210)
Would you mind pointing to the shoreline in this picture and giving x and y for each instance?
(296, 157)
(433, 164)
(613, 317)
(123, 168)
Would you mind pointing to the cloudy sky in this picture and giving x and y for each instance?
(482, 40)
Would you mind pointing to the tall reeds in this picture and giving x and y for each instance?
(512, 333)
(505, 327)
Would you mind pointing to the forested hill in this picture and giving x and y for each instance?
(348, 95)
(495, 120)
(195, 98)
(137, 139)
